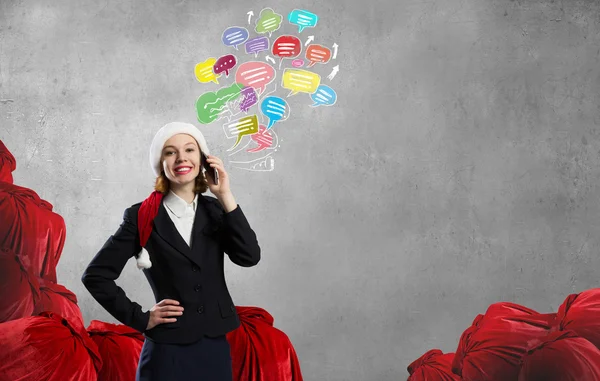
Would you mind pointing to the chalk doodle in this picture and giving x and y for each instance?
(211, 105)
(254, 82)
(268, 22)
(239, 128)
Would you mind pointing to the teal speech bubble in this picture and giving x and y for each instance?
(303, 19)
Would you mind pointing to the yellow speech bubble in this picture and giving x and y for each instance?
(300, 81)
(204, 71)
(239, 128)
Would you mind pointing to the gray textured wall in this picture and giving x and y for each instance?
(458, 168)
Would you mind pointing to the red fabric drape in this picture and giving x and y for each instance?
(7, 164)
(58, 299)
(31, 229)
(581, 314)
(19, 289)
(261, 352)
(433, 366)
(492, 349)
(48, 348)
(120, 347)
(562, 356)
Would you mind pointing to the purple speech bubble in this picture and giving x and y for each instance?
(234, 36)
(257, 45)
(224, 64)
(249, 98)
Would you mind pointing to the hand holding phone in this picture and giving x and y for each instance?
(210, 171)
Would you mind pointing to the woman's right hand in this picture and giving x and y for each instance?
(162, 311)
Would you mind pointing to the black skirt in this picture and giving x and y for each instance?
(207, 359)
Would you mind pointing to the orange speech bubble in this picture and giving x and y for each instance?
(317, 53)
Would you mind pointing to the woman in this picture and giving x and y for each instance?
(179, 238)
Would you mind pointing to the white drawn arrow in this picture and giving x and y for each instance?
(335, 47)
(250, 14)
(310, 38)
(335, 70)
(269, 58)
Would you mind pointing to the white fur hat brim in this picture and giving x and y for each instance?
(165, 133)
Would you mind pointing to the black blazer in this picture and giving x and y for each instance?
(193, 276)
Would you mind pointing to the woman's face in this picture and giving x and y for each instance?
(181, 159)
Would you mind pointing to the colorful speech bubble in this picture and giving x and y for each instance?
(249, 98)
(324, 95)
(234, 36)
(317, 53)
(263, 138)
(224, 64)
(303, 19)
(255, 74)
(212, 104)
(257, 45)
(300, 81)
(204, 71)
(276, 109)
(287, 47)
(247, 125)
(297, 62)
(268, 22)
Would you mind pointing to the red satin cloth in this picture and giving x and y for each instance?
(120, 347)
(46, 348)
(581, 314)
(433, 366)
(7, 164)
(31, 229)
(19, 289)
(562, 356)
(261, 352)
(58, 299)
(492, 349)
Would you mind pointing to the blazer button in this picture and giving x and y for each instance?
(197, 288)
(200, 309)
(232, 308)
(195, 268)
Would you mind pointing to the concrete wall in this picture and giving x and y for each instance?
(459, 166)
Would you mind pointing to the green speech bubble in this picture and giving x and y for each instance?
(210, 105)
(268, 21)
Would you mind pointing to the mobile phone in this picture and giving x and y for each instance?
(212, 172)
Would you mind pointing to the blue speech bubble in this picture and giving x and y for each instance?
(234, 36)
(324, 95)
(303, 19)
(275, 108)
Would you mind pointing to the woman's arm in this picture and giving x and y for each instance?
(239, 240)
(100, 275)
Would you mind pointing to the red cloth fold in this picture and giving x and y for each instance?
(491, 349)
(8, 164)
(561, 356)
(581, 314)
(19, 288)
(148, 210)
(434, 365)
(48, 348)
(31, 229)
(120, 347)
(58, 299)
(261, 352)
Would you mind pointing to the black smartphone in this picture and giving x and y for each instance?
(212, 172)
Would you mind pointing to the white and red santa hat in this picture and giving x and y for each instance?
(150, 205)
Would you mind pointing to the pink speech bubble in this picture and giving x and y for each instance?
(263, 138)
(297, 62)
(224, 64)
(255, 74)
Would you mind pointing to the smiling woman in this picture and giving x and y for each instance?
(179, 237)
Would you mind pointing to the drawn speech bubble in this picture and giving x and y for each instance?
(224, 64)
(239, 128)
(286, 47)
(268, 22)
(276, 109)
(234, 36)
(212, 104)
(255, 74)
(300, 81)
(303, 19)
(317, 54)
(204, 71)
(263, 138)
(324, 95)
(257, 45)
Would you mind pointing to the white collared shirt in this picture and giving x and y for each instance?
(182, 214)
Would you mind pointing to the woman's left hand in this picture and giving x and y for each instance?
(223, 186)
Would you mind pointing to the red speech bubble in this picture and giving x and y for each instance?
(224, 64)
(317, 53)
(287, 47)
(263, 138)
